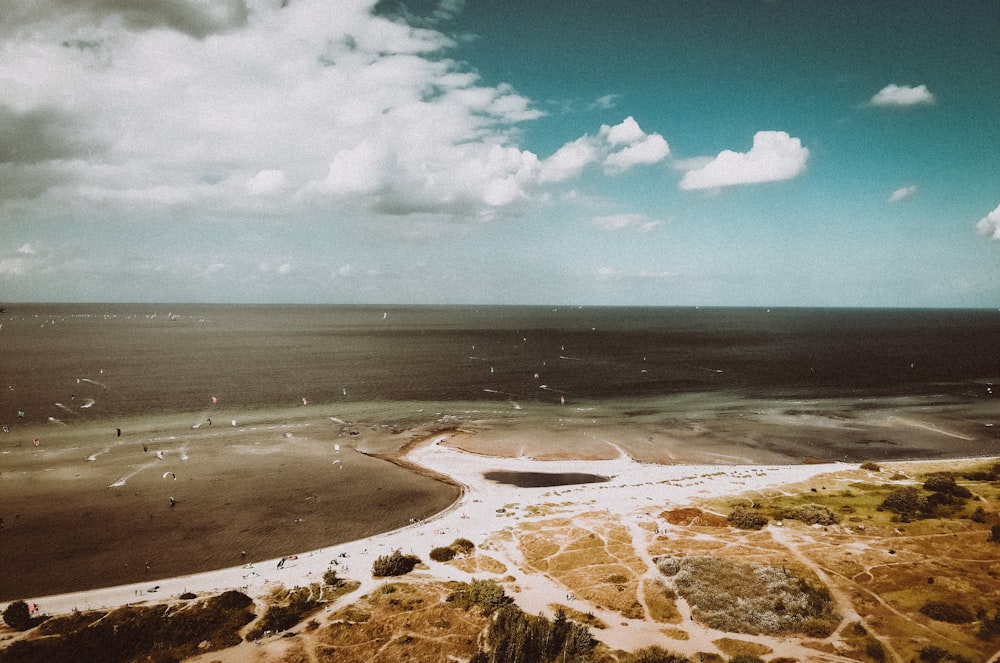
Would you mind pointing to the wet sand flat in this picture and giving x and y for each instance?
(194, 500)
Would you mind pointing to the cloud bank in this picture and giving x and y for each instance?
(774, 156)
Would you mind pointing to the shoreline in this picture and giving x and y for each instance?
(481, 509)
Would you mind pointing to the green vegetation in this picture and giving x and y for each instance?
(654, 654)
(457, 547)
(744, 518)
(516, 637)
(138, 633)
(443, 554)
(287, 611)
(17, 616)
(810, 514)
(487, 595)
(940, 496)
(396, 564)
(754, 598)
(943, 611)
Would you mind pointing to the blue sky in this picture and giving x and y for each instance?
(757, 153)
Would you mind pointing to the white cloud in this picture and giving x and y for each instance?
(619, 147)
(620, 222)
(990, 224)
(27, 249)
(606, 102)
(569, 160)
(625, 133)
(267, 182)
(651, 149)
(902, 193)
(902, 95)
(774, 156)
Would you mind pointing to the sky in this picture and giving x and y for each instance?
(567, 152)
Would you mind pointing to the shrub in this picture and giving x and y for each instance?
(947, 612)
(330, 578)
(486, 594)
(668, 566)
(396, 564)
(746, 658)
(811, 514)
(654, 654)
(905, 501)
(753, 598)
(443, 554)
(744, 518)
(17, 616)
(280, 617)
(870, 466)
(995, 534)
(932, 654)
(463, 546)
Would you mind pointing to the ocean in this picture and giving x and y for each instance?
(141, 359)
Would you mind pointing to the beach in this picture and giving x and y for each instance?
(181, 493)
(483, 508)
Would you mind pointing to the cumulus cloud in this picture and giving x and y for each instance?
(621, 222)
(619, 148)
(569, 160)
(902, 193)
(990, 224)
(893, 95)
(774, 156)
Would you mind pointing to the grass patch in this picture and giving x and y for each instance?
(754, 598)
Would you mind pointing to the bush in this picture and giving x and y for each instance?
(753, 598)
(746, 658)
(330, 578)
(944, 482)
(654, 654)
(951, 613)
(443, 554)
(905, 501)
(744, 518)
(870, 466)
(17, 616)
(463, 546)
(994, 534)
(668, 566)
(932, 654)
(396, 564)
(486, 594)
(811, 514)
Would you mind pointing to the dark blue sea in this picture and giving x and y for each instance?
(140, 359)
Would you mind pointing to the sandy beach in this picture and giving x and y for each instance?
(484, 508)
(555, 503)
